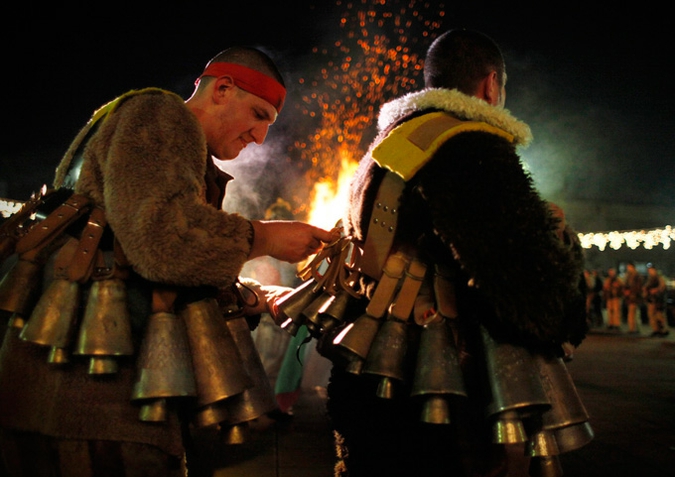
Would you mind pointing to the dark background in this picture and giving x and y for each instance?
(594, 82)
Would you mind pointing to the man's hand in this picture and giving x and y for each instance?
(288, 240)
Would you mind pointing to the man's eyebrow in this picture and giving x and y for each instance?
(265, 114)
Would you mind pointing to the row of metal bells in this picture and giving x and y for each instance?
(104, 332)
(438, 376)
(19, 289)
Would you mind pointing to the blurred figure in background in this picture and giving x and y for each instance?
(655, 295)
(612, 291)
(632, 292)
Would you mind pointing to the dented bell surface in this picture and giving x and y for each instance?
(164, 366)
(105, 332)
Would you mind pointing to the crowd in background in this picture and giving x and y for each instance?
(622, 300)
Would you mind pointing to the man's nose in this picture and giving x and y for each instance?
(259, 133)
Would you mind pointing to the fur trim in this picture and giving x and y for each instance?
(458, 104)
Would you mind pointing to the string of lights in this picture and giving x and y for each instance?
(632, 239)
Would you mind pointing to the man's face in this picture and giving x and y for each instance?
(239, 119)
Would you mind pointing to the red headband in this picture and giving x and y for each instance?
(251, 81)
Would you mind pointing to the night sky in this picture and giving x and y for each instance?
(594, 83)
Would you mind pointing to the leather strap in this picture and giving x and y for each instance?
(41, 233)
(86, 254)
(405, 300)
(384, 292)
(382, 225)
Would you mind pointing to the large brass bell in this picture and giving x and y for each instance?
(164, 366)
(354, 342)
(105, 332)
(565, 426)
(516, 389)
(387, 356)
(216, 359)
(19, 290)
(254, 401)
(438, 375)
(289, 308)
(54, 319)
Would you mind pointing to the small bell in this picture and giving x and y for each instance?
(289, 308)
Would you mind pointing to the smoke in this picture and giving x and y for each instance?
(262, 174)
(588, 145)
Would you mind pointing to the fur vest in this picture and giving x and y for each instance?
(474, 208)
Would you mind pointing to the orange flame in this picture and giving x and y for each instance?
(329, 198)
(364, 70)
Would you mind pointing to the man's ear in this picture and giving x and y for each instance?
(221, 87)
(493, 92)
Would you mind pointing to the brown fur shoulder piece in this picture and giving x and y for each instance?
(146, 166)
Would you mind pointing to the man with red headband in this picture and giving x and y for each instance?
(139, 222)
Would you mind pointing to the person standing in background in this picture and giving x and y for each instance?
(632, 292)
(612, 290)
(655, 296)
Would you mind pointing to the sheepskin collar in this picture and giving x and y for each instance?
(458, 104)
